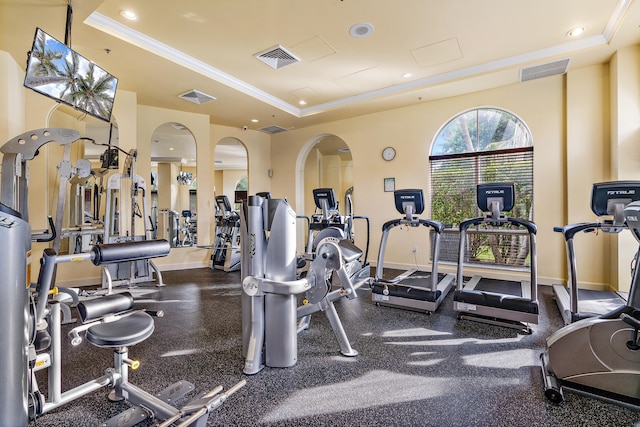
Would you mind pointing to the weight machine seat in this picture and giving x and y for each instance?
(127, 331)
(130, 329)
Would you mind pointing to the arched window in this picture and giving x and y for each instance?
(481, 146)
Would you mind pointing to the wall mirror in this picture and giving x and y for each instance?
(231, 170)
(173, 185)
(328, 164)
(81, 207)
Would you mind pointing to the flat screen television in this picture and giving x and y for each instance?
(57, 71)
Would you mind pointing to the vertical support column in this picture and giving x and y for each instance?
(253, 247)
(624, 155)
(15, 235)
(281, 332)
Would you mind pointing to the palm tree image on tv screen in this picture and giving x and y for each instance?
(57, 71)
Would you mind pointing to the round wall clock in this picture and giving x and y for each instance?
(389, 153)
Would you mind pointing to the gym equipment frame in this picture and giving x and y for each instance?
(497, 308)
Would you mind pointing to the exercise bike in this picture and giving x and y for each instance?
(600, 356)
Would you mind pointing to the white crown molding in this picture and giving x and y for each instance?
(122, 32)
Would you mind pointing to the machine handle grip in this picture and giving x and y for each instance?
(46, 279)
(155, 313)
(47, 237)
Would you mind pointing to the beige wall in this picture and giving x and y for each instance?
(584, 127)
(411, 130)
(587, 160)
(12, 109)
(624, 154)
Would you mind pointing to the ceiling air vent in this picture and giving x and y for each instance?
(273, 129)
(277, 57)
(196, 97)
(544, 70)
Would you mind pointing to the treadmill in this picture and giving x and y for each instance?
(497, 302)
(412, 290)
(608, 199)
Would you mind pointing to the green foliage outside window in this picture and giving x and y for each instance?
(482, 146)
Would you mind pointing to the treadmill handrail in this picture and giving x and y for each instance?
(569, 231)
(530, 226)
(436, 225)
(366, 252)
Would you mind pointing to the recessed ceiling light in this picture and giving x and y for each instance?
(575, 32)
(130, 15)
(361, 30)
(170, 148)
(406, 75)
(255, 120)
(302, 102)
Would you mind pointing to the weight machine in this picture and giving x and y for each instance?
(33, 340)
(270, 289)
(120, 187)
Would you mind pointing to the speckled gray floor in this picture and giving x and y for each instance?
(413, 369)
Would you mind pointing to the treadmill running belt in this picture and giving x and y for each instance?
(495, 293)
(505, 287)
(417, 286)
(420, 278)
(598, 302)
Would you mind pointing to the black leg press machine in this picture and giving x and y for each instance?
(31, 335)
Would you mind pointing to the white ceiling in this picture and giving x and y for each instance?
(449, 47)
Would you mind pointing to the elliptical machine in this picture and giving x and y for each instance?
(608, 346)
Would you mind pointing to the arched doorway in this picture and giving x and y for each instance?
(325, 162)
